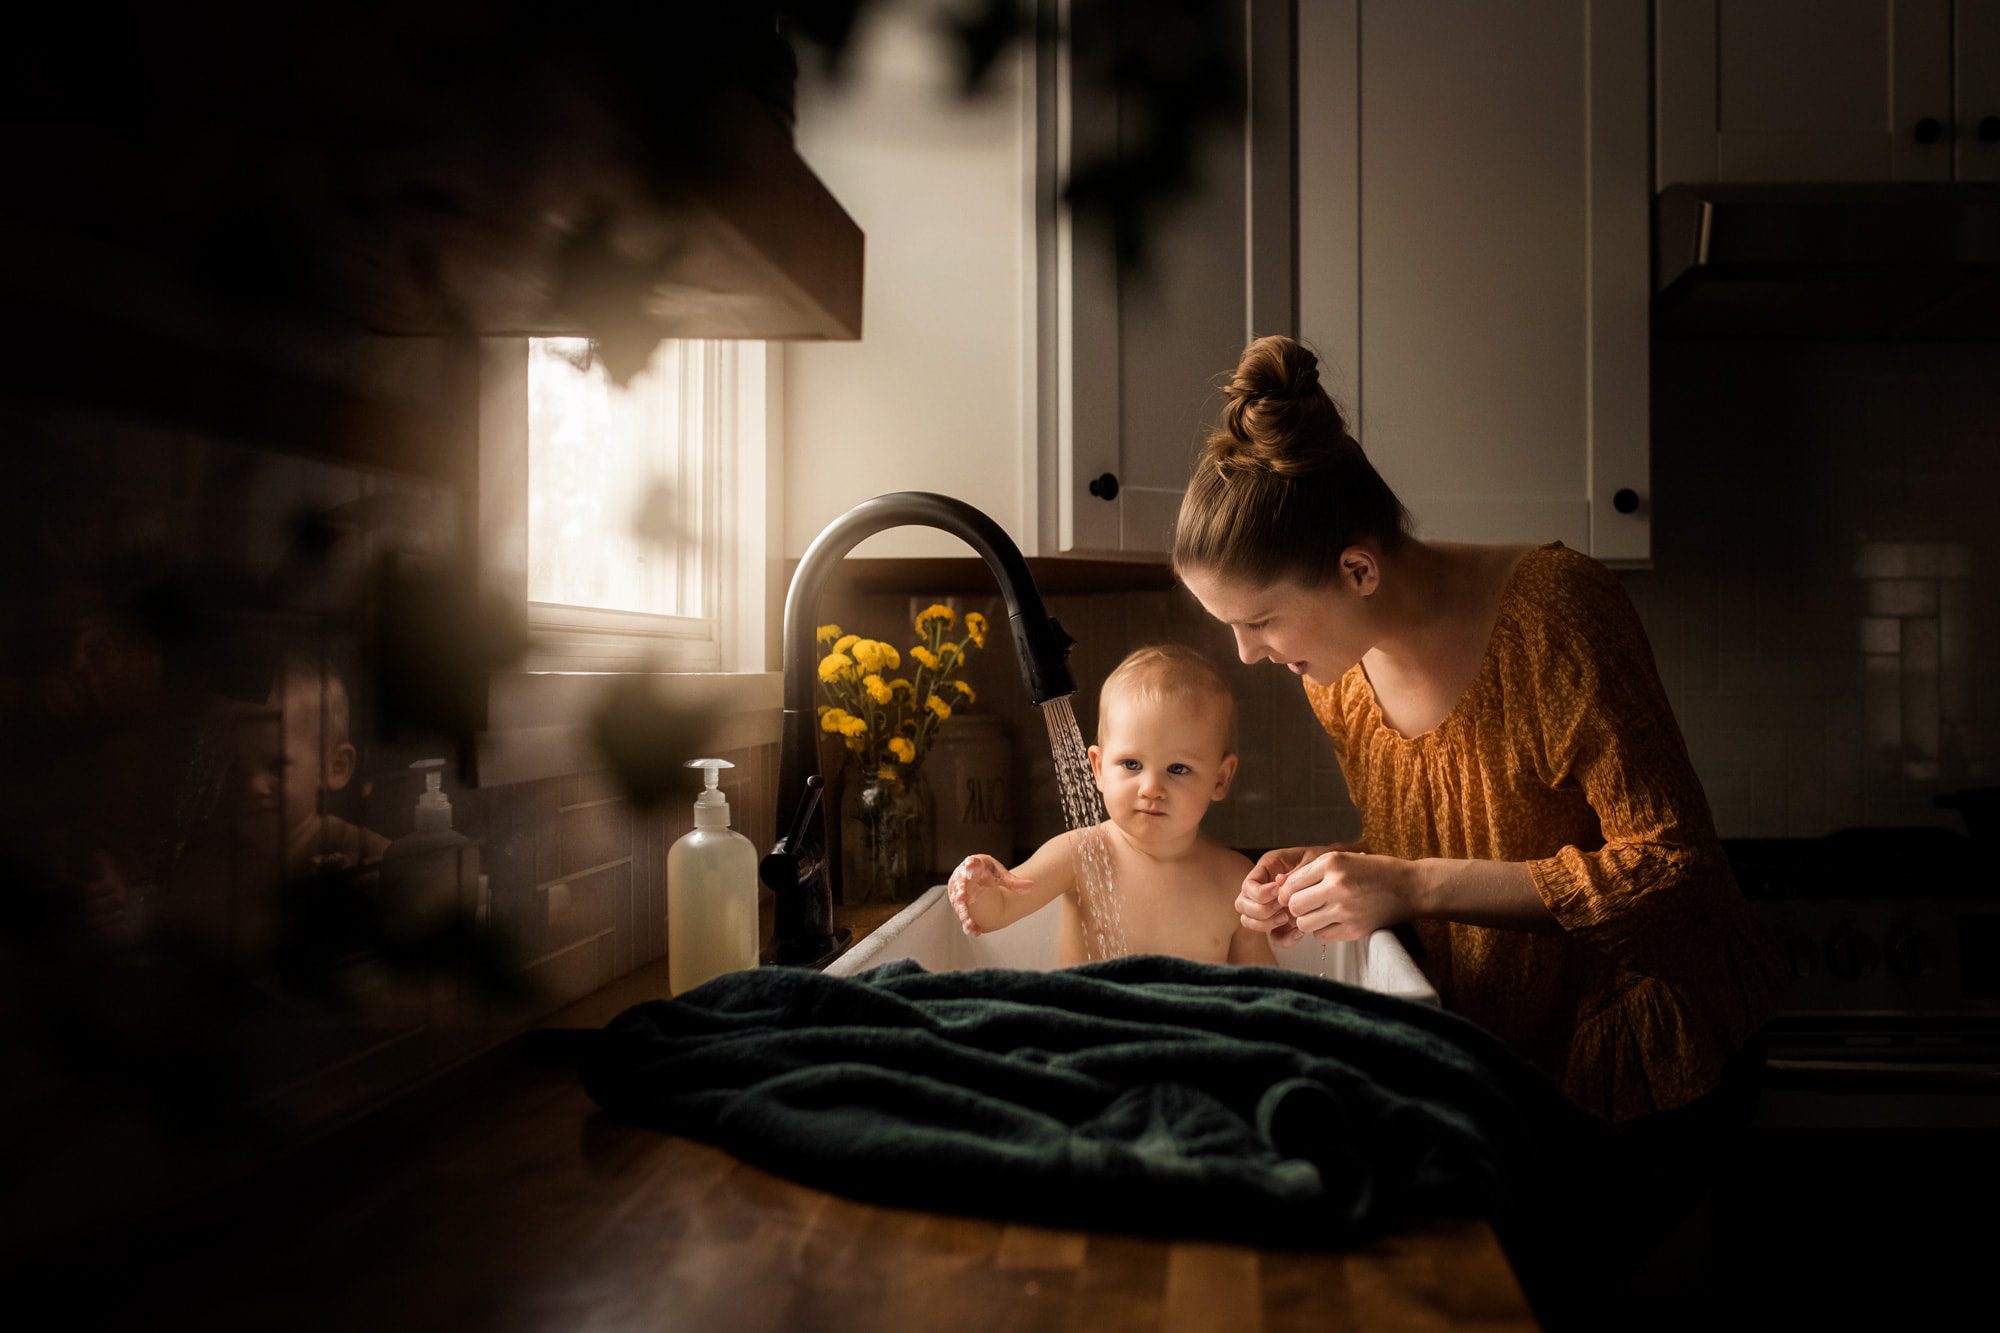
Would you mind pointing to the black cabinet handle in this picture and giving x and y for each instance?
(1105, 487)
(1930, 129)
(1626, 500)
(1989, 129)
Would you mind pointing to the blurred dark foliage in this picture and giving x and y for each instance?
(416, 164)
(162, 971)
(335, 915)
(435, 635)
(646, 742)
(301, 157)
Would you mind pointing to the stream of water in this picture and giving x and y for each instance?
(1083, 812)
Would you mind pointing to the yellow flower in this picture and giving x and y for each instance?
(827, 633)
(853, 727)
(857, 744)
(935, 611)
(975, 628)
(925, 656)
(901, 686)
(965, 691)
(877, 689)
(832, 719)
(835, 666)
(887, 774)
(845, 642)
(948, 653)
(824, 709)
(902, 748)
(874, 655)
(938, 706)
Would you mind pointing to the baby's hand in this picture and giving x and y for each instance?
(977, 875)
(1257, 904)
(1262, 906)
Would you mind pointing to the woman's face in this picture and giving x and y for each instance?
(1317, 632)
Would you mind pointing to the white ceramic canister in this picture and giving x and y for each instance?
(969, 773)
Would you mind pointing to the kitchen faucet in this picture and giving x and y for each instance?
(798, 870)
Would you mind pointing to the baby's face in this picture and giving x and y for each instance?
(285, 759)
(1160, 765)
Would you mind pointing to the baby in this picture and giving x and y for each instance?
(1166, 726)
(290, 770)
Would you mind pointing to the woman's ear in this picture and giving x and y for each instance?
(1360, 570)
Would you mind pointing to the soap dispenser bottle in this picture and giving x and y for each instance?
(431, 871)
(711, 892)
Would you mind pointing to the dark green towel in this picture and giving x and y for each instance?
(1145, 1094)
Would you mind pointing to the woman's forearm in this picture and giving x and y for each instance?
(1481, 893)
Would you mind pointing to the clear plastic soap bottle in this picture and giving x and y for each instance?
(432, 870)
(711, 892)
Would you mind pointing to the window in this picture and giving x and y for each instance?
(621, 481)
(632, 520)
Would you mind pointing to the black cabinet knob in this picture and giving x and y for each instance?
(1626, 500)
(1930, 129)
(1105, 487)
(1989, 129)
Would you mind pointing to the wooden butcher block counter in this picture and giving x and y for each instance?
(516, 1204)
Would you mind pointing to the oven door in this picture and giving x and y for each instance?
(1882, 1072)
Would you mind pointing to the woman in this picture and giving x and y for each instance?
(1526, 798)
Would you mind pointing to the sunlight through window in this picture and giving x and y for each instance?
(620, 480)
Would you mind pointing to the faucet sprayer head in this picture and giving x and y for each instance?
(1043, 646)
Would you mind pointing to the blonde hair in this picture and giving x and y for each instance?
(1171, 672)
(1282, 487)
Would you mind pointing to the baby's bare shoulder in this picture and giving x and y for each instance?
(1213, 871)
(1225, 861)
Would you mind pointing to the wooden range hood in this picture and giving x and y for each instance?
(748, 245)
(484, 170)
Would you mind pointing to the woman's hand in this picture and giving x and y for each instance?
(1348, 895)
(1258, 904)
(978, 875)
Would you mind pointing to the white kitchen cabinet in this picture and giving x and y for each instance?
(1003, 359)
(1769, 91)
(1473, 258)
(1132, 363)
(1468, 249)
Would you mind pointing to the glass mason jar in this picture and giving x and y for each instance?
(885, 835)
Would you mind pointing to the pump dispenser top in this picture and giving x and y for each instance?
(433, 806)
(711, 808)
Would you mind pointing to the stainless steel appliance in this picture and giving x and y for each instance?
(1893, 1017)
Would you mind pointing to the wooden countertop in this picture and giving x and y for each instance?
(517, 1204)
(529, 1209)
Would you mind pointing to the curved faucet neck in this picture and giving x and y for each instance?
(916, 509)
(804, 930)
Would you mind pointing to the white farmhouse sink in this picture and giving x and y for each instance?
(927, 931)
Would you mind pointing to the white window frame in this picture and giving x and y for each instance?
(538, 714)
(738, 456)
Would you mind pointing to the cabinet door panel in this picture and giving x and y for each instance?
(1976, 53)
(1140, 353)
(1473, 264)
(1803, 90)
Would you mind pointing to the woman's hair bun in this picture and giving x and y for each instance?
(1276, 417)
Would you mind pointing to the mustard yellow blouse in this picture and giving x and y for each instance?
(1564, 754)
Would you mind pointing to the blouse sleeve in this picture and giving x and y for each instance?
(1601, 721)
